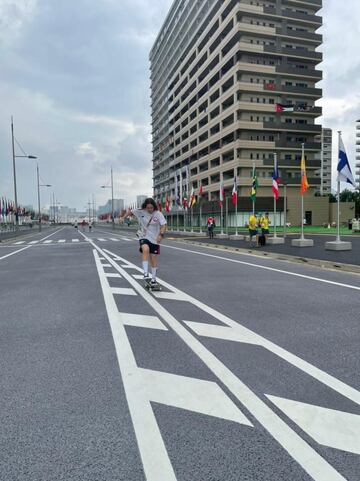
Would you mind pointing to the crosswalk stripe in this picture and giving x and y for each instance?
(331, 428)
(114, 240)
(112, 275)
(171, 296)
(61, 241)
(102, 240)
(34, 242)
(125, 239)
(19, 243)
(48, 242)
(75, 240)
(124, 291)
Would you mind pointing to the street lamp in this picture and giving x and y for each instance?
(14, 172)
(112, 197)
(38, 189)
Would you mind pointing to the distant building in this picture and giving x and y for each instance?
(357, 179)
(107, 208)
(325, 174)
(140, 199)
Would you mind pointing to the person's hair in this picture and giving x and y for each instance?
(149, 201)
(267, 213)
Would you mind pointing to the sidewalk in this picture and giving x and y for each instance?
(317, 252)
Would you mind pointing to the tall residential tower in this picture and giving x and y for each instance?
(233, 82)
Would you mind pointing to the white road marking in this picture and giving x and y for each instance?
(114, 240)
(75, 240)
(171, 296)
(15, 252)
(157, 466)
(126, 239)
(111, 274)
(222, 332)
(273, 269)
(34, 242)
(106, 265)
(19, 243)
(204, 397)
(61, 241)
(141, 320)
(49, 241)
(239, 331)
(316, 466)
(123, 291)
(331, 428)
(139, 277)
(101, 240)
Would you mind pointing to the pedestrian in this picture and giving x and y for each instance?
(90, 225)
(211, 227)
(253, 230)
(265, 225)
(151, 232)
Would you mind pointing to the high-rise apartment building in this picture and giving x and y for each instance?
(357, 179)
(232, 83)
(325, 173)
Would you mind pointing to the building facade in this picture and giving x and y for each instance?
(232, 83)
(140, 199)
(325, 173)
(357, 172)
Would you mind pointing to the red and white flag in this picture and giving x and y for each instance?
(234, 194)
(276, 180)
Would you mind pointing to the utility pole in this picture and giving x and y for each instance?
(14, 174)
(112, 199)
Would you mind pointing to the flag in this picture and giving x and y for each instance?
(255, 185)
(167, 204)
(234, 194)
(284, 108)
(222, 192)
(275, 180)
(201, 191)
(159, 204)
(269, 86)
(192, 197)
(304, 181)
(343, 168)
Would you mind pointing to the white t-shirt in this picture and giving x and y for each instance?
(149, 231)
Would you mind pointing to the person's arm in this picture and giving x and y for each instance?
(128, 213)
(163, 226)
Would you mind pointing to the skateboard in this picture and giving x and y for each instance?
(150, 287)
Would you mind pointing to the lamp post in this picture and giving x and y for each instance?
(112, 197)
(38, 189)
(14, 172)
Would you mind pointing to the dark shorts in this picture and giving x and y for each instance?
(253, 233)
(154, 248)
(265, 231)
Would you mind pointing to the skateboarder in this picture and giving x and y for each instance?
(151, 232)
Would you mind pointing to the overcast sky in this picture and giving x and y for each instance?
(75, 75)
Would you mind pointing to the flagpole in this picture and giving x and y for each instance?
(227, 214)
(338, 200)
(275, 157)
(200, 219)
(236, 205)
(222, 204)
(253, 201)
(192, 220)
(285, 209)
(302, 200)
(177, 219)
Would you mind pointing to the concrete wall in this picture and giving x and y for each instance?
(318, 206)
(347, 211)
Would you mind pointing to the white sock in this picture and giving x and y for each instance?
(146, 267)
(153, 273)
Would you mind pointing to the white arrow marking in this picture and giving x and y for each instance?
(335, 429)
(204, 397)
(141, 320)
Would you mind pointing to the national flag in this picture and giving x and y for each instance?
(284, 108)
(167, 204)
(255, 185)
(222, 192)
(304, 181)
(201, 192)
(234, 194)
(159, 204)
(343, 168)
(275, 180)
(192, 197)
(185, 202)
(269, 86)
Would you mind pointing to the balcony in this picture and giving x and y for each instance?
(293, 89)
(282, 163)
(304, 17)
(294, 52)
(299, 72)
(292, 127)
(285, 32)
(283, 144)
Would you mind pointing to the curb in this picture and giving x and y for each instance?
(329, 265)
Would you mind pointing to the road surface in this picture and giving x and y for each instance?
(241, 368)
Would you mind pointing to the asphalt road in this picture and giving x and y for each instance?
(241, 368)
